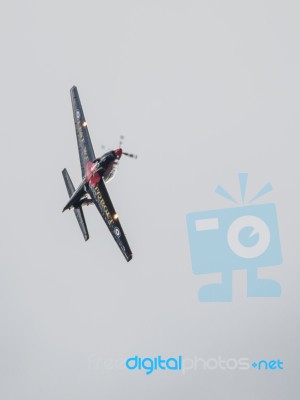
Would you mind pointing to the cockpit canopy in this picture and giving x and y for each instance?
(107, 158)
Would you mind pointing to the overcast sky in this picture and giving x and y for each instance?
(202, 90)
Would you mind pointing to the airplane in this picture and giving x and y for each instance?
(95, 173)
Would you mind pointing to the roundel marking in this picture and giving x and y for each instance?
(117, 232)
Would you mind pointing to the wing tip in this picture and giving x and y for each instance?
(73, 90)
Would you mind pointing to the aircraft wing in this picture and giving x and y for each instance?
(101, 199)
(85, 147)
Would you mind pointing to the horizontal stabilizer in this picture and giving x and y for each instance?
(68, 182)
(75, 195)
(81, 220)
(77, 210)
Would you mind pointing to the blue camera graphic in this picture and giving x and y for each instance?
(244, 237)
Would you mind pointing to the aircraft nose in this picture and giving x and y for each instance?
(118, 153)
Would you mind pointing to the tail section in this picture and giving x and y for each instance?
(77, 210)
(81, 221)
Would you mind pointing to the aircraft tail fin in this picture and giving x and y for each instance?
(77, 210)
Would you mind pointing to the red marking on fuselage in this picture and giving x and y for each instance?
(92, 176)
(118, 152)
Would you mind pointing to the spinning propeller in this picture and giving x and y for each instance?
(126, 154)
(131, 155)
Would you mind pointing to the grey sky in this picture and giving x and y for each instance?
(201, 90)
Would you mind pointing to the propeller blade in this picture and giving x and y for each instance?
(121, 141)
(130, 155)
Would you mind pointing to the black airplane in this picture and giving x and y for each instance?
(95, 173)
